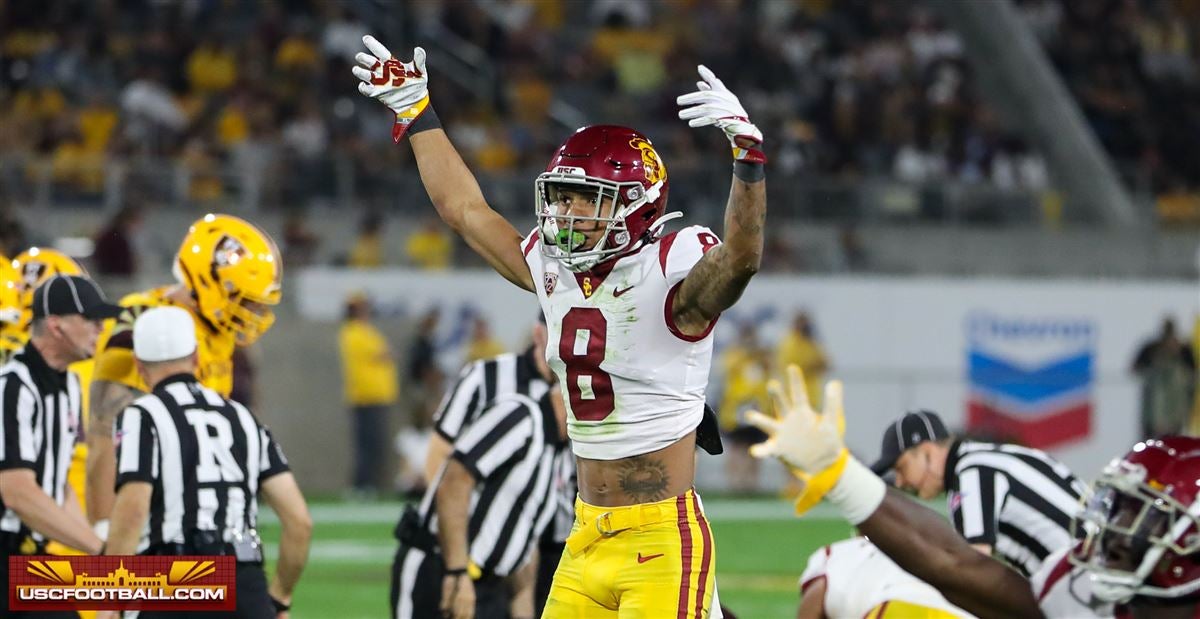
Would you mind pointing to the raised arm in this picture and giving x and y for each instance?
(459, 202)
(404, 87)
(717, 281)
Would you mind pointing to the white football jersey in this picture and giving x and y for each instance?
(859, 578)
(1064, 590)
(631, 381)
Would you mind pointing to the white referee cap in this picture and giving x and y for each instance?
(163, 334)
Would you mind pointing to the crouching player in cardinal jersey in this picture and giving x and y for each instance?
(630, 309)
(1139, 556)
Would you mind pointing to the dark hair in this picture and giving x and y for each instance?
(355, 307)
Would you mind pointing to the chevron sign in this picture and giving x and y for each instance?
(1030, 378)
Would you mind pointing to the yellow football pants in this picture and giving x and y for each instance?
(645, 561)
(895, 609)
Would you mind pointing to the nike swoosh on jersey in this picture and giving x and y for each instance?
(642, 559)
(620, 291)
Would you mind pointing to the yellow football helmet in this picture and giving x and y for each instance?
(34, 266)
(234, 272)
(10, 293)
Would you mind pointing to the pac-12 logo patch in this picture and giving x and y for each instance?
(550, 281)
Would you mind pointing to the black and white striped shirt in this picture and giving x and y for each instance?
(1018, 500)
(514, 452)
(480, 383)
(39, 426)
(204, 455)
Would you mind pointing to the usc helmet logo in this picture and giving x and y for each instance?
(651, 164)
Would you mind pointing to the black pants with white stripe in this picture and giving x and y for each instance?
(417, 588)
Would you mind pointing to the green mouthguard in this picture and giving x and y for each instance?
(568, 240)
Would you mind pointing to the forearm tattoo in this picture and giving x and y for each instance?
(108, 400)
(717, 281)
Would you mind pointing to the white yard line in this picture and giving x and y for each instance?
(345, 551)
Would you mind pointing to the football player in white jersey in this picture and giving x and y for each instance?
(1139, 556)
(854, 579)
(630, 310)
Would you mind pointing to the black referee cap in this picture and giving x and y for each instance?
(907, 432)
(63, 295)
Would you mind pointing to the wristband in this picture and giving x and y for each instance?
(279, 606)
(426, 121)
(818, 485)
(409, 117)
(858, 492)
(458, 572)
(749, 172)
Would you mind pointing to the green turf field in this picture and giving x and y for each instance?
(761, 550)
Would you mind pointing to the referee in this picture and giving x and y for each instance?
(461, 551)
(1012, 502)
(480, 384)
(39, 425)
(190, 468)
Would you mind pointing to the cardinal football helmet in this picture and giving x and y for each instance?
(234, 272)
(34, 266)
(1141, 526)
(609, 164)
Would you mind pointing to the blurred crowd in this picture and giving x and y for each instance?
(257, 88)
(258, 96)
(863, 87)
(1131, 65)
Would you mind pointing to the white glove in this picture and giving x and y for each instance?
(402, 86)
(713, 104)
(813, 447)
(801, 438)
